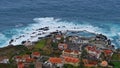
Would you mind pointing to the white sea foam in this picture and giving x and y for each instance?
(25, 34)
(53, 24)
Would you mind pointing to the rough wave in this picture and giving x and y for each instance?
(25, 33)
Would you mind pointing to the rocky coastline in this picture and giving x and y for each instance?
(54, 44)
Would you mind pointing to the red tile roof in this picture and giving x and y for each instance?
(71, 59)
(76, 51)
(18, 57)
(91, 48)
(29, 60)
(67, 50)
(70, 51)
(36, 53)
(55, 60)
(20, 65)
(107, 52)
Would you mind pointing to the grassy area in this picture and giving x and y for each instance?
(71, 66)
(8, 66)
(40, 44)
(12, 50)
(116, 56)
(116, 64)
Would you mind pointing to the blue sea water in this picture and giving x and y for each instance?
(103, 16)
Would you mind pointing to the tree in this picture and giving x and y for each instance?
(68, 66)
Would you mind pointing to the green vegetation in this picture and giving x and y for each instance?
(8, 66)
(70, 66)
(48, 48)
(10, 59)
(12, 50)
(55, 45)
(40, 44)
(32, 65)
(84, 54)
(56, 53)
(18, 51)
(24, 52)
(116, 64)
(116, 56)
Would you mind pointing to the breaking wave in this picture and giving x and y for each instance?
(25, 33)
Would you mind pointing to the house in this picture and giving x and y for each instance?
(29, 60)
(4, 59)
(71, 60)
(24, 57)
(87, 63)
(93, 51)
(20, 65)
(108, 52)
(27, 65)
(35, 54)
(18, 59)
(57, 61)
(38, 65)
(70, 38)
(71, 53)
(62, 46)
(78, 40)
(85, 41)
(58, 37)
(73, 39)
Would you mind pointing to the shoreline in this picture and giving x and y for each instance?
(35, 34)
(35, 29)
(41, 32)
(46, 46)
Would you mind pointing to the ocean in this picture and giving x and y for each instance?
(19, 17)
